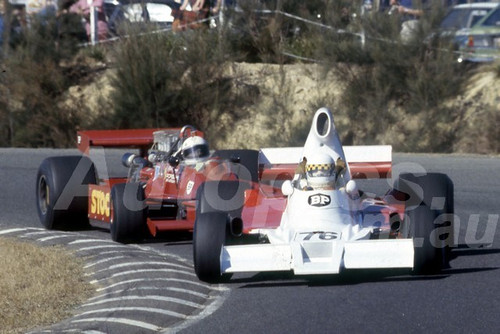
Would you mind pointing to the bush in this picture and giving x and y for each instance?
(394, 90)
(169, 80)
(32, 83)
(401, 80)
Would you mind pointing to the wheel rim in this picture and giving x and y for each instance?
(43, 195)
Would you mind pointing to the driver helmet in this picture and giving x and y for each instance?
(320, 170)
(194, 149)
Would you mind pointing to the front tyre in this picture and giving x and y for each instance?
(128, 221)
(62, 191)
(430, 209)
(209, 237)
(428, 253)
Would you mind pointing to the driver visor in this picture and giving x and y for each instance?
(195, 152)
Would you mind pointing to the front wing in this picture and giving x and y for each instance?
(318, 257)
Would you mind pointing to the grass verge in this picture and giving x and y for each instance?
(39, 285)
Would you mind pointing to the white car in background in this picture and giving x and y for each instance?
(465, 15)
(136, 11)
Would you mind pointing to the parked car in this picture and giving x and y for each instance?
(137, 12)
(481, 43)
(465, 16)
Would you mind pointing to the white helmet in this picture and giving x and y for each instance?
(194, 148)
(320, 170)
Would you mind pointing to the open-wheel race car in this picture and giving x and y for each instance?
(317, 221)
(157, 195)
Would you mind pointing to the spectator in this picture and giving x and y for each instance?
(82, 7)
(194, 5)
(216, 5)
(191, 12)
(409, 17)
(70, 27)
(405, 8)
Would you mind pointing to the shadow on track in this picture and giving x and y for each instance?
(361, 276)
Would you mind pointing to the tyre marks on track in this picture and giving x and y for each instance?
(138, 289)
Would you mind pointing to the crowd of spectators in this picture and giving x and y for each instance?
(186, 14)
(14, 26)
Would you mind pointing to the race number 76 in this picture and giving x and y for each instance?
(310, 236)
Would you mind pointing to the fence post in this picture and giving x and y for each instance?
(93, 25)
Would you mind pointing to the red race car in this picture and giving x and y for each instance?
(159, 193)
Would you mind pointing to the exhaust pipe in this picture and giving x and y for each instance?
(236, 227)
(395, 223)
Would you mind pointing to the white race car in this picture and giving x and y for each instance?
(318, 221)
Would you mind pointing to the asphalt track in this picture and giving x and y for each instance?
(151, 288)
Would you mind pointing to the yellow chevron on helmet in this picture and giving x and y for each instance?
(320, 170)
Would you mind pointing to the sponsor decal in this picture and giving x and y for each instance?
(319, 200)
(100, 203)
(170, 178)
(157, 172)
(189, 187)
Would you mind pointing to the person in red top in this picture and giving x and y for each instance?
(82, 7)
(190, 13)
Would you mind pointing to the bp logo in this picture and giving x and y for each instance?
(319, 200)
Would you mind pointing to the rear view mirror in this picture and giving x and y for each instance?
(173, 161)
(235, 158)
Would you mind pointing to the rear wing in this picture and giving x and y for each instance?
(136, 138)
(365, 162)
(141, 139)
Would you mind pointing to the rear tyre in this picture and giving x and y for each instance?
(62, 191)
(209, 237)
(128, 221)
(430, 208)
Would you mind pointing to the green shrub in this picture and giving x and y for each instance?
(169, 80)
(33, 83)
(394, 90)
(400, 80)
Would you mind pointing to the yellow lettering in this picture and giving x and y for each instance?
(93, 206)
(100, 203)
(108, 206)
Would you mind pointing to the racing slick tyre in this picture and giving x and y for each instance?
(128, 219)
(430, 208)
(249, 159)
(209, 237)
(428, 255)
(221, 196)
(62, 191)
(219, 203)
